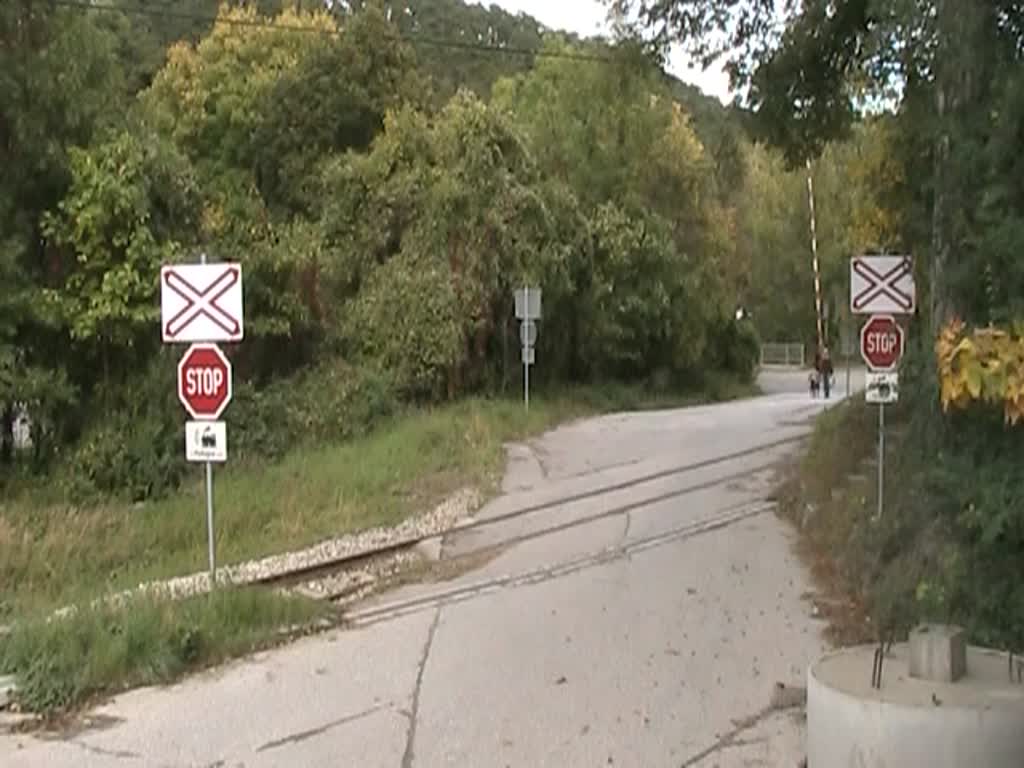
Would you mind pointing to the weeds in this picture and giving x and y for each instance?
(60, 663)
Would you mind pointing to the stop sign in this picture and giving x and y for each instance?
(204, 381)
(881, 342)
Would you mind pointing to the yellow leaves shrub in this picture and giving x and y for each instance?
(981, 365)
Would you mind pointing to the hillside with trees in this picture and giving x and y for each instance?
(386, 177)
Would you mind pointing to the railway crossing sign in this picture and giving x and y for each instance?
(882, 388)
(201, 302)
(204, 381)
(882, 342)
(206, 441)
(882, 285)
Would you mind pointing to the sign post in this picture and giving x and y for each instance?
(528, 301)
(882, 286)
(203, 303)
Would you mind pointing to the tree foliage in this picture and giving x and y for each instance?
(441, 218)
(985, 365)
(127, 202)
(386, 186)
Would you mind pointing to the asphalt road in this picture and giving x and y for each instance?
(648, 630)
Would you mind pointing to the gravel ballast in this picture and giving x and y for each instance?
(437, 521)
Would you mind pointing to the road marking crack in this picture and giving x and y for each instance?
(120, 754)
(732, 740)
(409, 756)
(304, 735)
(782, 699)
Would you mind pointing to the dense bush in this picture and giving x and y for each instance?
(136, 448)
(947, 547)
(738, 347)
(134, 443)
(330, 402)
(958, 527)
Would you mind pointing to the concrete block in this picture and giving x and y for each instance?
(938, 653)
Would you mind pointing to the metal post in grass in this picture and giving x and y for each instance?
(527, 301)
(201, 304)
(211, 544)
(881, 459)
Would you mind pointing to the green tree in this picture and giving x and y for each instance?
(131, 199)
(258, 107)
(613, 133)
(439, 222)
(59, 85)
(333, 101)
(449, 33)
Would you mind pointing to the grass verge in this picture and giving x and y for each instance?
(54, 554)
(869, 569)
(63, 663)
(827, 498)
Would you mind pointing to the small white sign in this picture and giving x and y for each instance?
(529, 355)
(528, 333)
(201, 302)
(882, 387)
(528, 303)
(882, 285)
(206, 441)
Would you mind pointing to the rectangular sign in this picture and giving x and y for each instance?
(882, 388)
(882, 285)
(201, 302)
(528, 303)
(206, 441)
(529, 355)
(528, 333)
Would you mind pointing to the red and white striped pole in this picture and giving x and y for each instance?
(814, 256)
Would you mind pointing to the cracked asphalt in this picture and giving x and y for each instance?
(648, 638)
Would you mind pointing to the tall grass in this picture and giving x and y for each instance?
(61, 663)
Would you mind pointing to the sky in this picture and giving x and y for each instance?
(588, 17)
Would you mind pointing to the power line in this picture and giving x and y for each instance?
(137, 10)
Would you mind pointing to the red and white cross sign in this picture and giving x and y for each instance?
(882, 285)
(201, 302)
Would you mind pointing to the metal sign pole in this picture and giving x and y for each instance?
(526, 354)
(209, 524)
(881, 459)
(211, 545)
(848, 334)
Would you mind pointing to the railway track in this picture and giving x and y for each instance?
(376, 613)
(387, 552)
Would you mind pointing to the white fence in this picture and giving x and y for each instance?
(787, 354)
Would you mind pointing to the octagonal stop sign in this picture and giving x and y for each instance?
(204, 381)
(881, 343)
